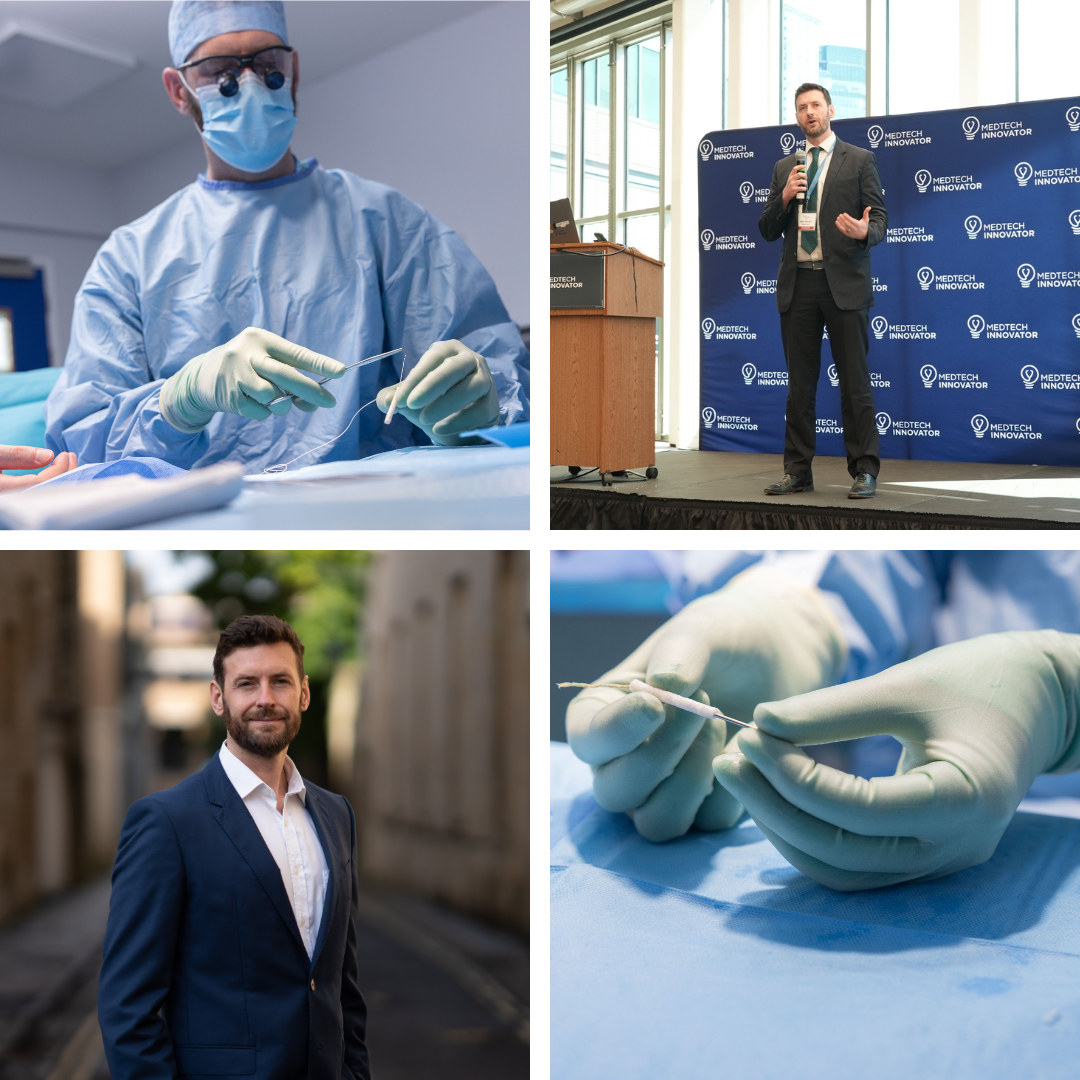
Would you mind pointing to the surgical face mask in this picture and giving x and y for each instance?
(252, 129)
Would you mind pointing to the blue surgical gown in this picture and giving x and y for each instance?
(341, 265)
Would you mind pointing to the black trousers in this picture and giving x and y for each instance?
(812, 309)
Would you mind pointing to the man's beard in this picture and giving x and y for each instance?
(264, 743)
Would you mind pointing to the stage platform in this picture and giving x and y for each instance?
(699, 489)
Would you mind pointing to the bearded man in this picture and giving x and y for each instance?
(231, 943)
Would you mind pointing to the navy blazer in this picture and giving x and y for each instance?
(851, 185)
(204, 971)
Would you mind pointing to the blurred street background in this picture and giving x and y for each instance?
(419, 672)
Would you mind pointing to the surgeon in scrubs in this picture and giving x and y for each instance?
(267, 275)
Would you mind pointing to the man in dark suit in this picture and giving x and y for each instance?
(824, 281)
(231, 942)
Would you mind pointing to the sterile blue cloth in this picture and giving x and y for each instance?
(151, 468)
(22, 405)
(710, 956)
(343, 266)
(514, 435)
(191, 22)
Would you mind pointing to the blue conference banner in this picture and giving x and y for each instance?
(975, 333)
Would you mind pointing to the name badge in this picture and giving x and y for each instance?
(807, 222)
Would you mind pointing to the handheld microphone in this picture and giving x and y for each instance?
(800, 159)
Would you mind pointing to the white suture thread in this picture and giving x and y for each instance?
(284, 467)
(636, 686)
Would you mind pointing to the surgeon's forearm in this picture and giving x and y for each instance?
(1063, 652)
(177, 403)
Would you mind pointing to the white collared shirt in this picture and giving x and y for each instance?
(819, 191)
(291, 838)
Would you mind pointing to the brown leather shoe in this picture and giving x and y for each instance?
(865, 487)
(789, 485)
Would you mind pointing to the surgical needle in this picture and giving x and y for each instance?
(359, 363)
(636, 686)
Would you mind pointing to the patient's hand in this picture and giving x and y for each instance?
(32, 457)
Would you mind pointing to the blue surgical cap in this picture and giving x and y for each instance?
(191, 22)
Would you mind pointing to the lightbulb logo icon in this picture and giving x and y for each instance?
(708, 328)
(705, 148)
(884, 422)
(976, 324)
(1072, 118)
(1076, 324)
(1074, 222)
(707, 238)
(748, 282)
(922, 179)
(980, 425)
(708, 416)
(879, 324)
(875, 135)
(1023, 173)
(926, 277)
(748, 373)
(788, 142)
(971, 127)
(1029, 376)
(928, 373)
(1026, 273)
(834, 377)
(1077, 423)
(973, 225)
(746, 190)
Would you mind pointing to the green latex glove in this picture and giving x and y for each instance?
(764, 635)
(978, 720)
(242, 377)
(449, 390)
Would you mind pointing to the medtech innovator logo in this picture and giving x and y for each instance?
(875, 133)
(748, 282)
(748, 373)
(1026, 273)
(705, 148)
(1074, 221)
(980, 425)
(923, 179)
(834, 376)
(976, 324)
(709, 416)
(708, 237)
(1072, 118)
(788, 142)
(1076, 324)
(973, 225)
(1029, 376)
(746, 190)
(928, 373)
(1023, 173)
(971, 127)
(879, 324)
(884, 422)
(1078, 423)
(708, 328)
(926, 277)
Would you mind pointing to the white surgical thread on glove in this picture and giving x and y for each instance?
(284, 467)
(636, 686)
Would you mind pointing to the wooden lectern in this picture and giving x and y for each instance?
(603, 358)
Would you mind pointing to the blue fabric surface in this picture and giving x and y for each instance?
(151, 468)
(504, 435)
(711, 956)
(22, 405)
(343, 266)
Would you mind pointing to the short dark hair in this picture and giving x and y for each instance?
(249, 631)
(808, 86)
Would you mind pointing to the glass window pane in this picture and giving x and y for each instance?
(824, 41)
(595, 136)
(559, 119)
(643, 233)
(924, 55)
(642, 180)
(1048, 65)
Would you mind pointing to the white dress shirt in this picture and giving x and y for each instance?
(819, 192)
(291, 838)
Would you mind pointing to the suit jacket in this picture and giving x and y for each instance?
(851, 184)
(204, 971)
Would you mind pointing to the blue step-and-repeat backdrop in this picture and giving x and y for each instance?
(975, 332)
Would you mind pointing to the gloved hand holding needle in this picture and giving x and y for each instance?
(762, 637)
